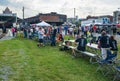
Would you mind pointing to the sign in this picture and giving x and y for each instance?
(7, 14)
(105, 20)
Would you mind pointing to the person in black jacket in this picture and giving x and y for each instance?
(53, 37)
(114, 30)
(82, 42)
(113, 44)
(105, 44)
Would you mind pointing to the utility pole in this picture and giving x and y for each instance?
(118, 15)
(16, 18)
(74, 14)
(23, 14)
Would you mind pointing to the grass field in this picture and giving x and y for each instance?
(22, 60)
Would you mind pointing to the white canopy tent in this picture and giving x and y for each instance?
(43, 23)
(67, 23)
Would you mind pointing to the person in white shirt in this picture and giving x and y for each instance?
(71, 31)
(37, 28)
(40, 36)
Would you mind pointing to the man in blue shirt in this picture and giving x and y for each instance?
(53, 37)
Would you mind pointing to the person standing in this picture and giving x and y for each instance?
(13, 31)
(113, 44)
(3, 29)
(70, 31)
(85, 30)
(94, 29)
(25, 32)
(53, 37)
(105, 44)
(16, 30)
(40, 36)
(66, 29)
(114, 30)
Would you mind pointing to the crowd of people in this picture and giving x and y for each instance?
(104, 43)
(82, 35)
(45, 35)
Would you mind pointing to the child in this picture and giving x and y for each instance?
(60, 38)
(40, 36)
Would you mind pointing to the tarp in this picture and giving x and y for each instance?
(118, 25)
(43, 23)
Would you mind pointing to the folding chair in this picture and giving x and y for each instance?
(116, 68)
(117, 73)
(105, 66)
(110, 56)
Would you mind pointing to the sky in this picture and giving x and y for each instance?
(83, 8)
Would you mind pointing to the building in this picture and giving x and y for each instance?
(108, 18)
(91, 20)
(7, 18)
(52, 18)
(116, 15)
(7, 11)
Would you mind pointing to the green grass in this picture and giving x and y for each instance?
(22, 60)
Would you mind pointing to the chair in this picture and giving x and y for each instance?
(110, 56)
(106, 65)
(117, 73)
(116, 68)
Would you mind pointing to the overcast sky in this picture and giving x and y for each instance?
(83, 7)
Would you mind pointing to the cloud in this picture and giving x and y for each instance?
(4, 2)
(83, 7)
